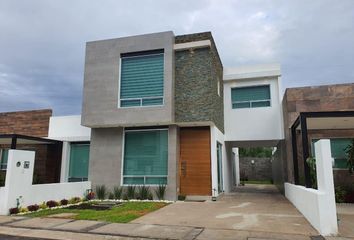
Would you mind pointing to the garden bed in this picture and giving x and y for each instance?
(121, 212)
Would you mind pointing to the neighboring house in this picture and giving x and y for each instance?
(61, 144)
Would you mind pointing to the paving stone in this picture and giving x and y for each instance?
(63, 215)
(40, 222)
(144, 230)
(79, 225)
(6, 219)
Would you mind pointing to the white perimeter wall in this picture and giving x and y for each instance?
(217, 136)
(252, 124)
(318, 206)
(18, 184)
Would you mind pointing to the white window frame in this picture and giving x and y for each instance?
(141, 99)
(123, 152)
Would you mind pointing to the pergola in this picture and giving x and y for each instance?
(14, 139)
(338, 120)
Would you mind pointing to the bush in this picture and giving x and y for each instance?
(52, 204)
(64, 202)
(181, 197)
(43, 205)
(101, 191)
(130, 193)
(160, 191)
(14, 210)
(23, 210)
(90, 196)
(340, 194)
(33, 208)
(74, 200)
(143, 192)
(118, 192)
(110, 195)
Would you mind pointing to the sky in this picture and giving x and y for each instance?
(42, 42)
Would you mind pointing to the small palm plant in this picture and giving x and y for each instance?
(118, 192)
(160, 191)
(101, 192)
(349, 150)
(143, 192)
(130, 193)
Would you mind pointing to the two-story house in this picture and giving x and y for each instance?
(155, 106)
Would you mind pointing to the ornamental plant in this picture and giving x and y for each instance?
(143, 192)
(160, 191)
(33, 208)
(74, 200)
(101, 191)
(14, 210)
(52, 204)
(118, 192)
(90, 196)
(64, 202)
(349, 150)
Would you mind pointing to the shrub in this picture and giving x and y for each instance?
(181, 197)
(74, 200)
(101, 191)
(143, 192)
(52, 204)
(160, 191)
(110, 195)
(33, 208)
(23, 210)
(118, 192)
(43, 205)
(130, 193)
(14, 210)
(64, 202)
(340, 194)
(90, 196)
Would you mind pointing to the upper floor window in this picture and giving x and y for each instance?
(142, 79)
(250, 97)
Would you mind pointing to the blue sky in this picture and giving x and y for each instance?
(42, 43)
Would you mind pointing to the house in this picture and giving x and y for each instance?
(162, 110)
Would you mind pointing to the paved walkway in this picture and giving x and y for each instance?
(240, 216)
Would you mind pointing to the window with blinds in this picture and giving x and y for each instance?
(142, 79)
(250, 97)
(79, 162)
(4, 153)
(145, 157)
(338, 148)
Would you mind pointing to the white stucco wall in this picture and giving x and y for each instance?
(318, 205)
(68, 128)
(253, 124)
(217, 136)
(18, 185)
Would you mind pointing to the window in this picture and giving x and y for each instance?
(4, 153)
(338, 146)
(79, 161)
(218, 87)
(145, 157)
(142, 79)
(250, 97)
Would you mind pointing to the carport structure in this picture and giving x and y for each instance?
(316, 125)
(47, 159)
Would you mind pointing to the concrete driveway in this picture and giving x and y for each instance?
(264, 211)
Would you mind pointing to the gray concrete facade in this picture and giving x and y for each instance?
(106, 159)
(101, 82)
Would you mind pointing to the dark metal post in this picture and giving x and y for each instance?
(295, 161)
(305, 149)
(13, 142)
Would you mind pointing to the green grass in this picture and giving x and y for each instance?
(258, 182)
(120, 214)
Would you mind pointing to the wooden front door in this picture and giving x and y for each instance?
(195, 163)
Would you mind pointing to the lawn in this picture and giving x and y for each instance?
(119, 214)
